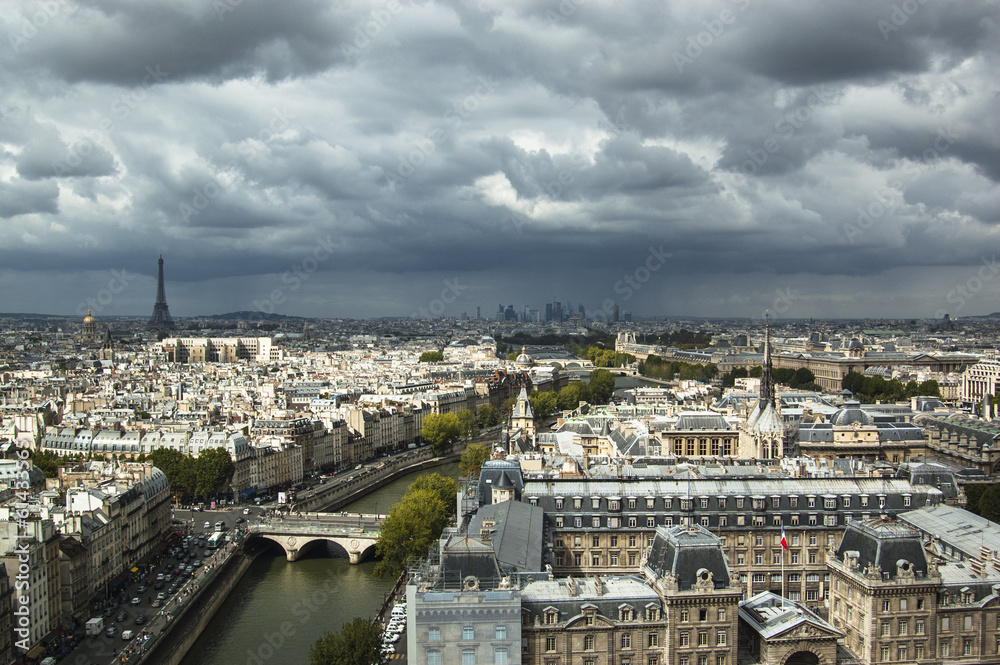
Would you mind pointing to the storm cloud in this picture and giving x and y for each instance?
(355, 155)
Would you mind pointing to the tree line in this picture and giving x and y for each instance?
(869, 389)
(195, 477)
(796, 379)
(656, 367)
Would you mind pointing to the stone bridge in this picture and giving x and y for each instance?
(356, 534)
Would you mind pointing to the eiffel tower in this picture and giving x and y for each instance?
(160, 320)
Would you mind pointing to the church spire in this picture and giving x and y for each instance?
(766, 377)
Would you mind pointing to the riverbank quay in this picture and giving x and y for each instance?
(329, 498)
(189, 619)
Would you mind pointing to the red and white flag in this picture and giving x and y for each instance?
(784, 541)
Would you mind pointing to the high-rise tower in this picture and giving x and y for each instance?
(160, 320)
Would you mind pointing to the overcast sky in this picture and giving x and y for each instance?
(352, 159)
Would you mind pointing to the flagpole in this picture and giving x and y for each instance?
(784, 546)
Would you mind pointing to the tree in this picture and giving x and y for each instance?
(431, 357)
(989, 503)
(467, 423)
(543, 404)
(213, 469)
(929, 388)
(853, 381)
(444, 487)
(507, 408)
(574, 393)
(412, 526)
(358, 643)
(488, 416)
(602, 386)
(802, 376)
(441, 430)
(178, 468)
(472, 459)
(48, 462)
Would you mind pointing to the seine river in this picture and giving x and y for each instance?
(314, 594)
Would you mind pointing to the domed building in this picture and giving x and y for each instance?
(854, 431)
(523, 359)
(88, 331)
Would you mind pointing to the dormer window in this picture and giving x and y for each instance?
(625, 613)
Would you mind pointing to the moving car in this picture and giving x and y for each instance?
(136, 601)
(127, 635)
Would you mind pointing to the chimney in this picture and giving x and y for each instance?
(571, 585)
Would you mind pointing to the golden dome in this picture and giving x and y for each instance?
(88, 318)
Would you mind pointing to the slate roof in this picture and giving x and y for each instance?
(884, 542)
(613, 592)
(492, 472)
(463, 556)
(702, 421)
(517, 534)
(955, 528)
(685, 551)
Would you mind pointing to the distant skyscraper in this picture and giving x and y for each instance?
(160, 320)
(583, 313)
(614, 314)
(557, 311)
(479, 314)
(548, 311)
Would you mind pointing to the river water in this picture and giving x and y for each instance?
(306, 598)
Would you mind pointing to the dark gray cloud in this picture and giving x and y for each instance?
(366, 151)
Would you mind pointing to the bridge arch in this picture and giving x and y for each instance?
(357, 547)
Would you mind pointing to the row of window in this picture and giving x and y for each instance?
(635, 540)
(944, 648)
(590, 641)
(722, 502)
(500, 656)
(468, 633)
(650, 521)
